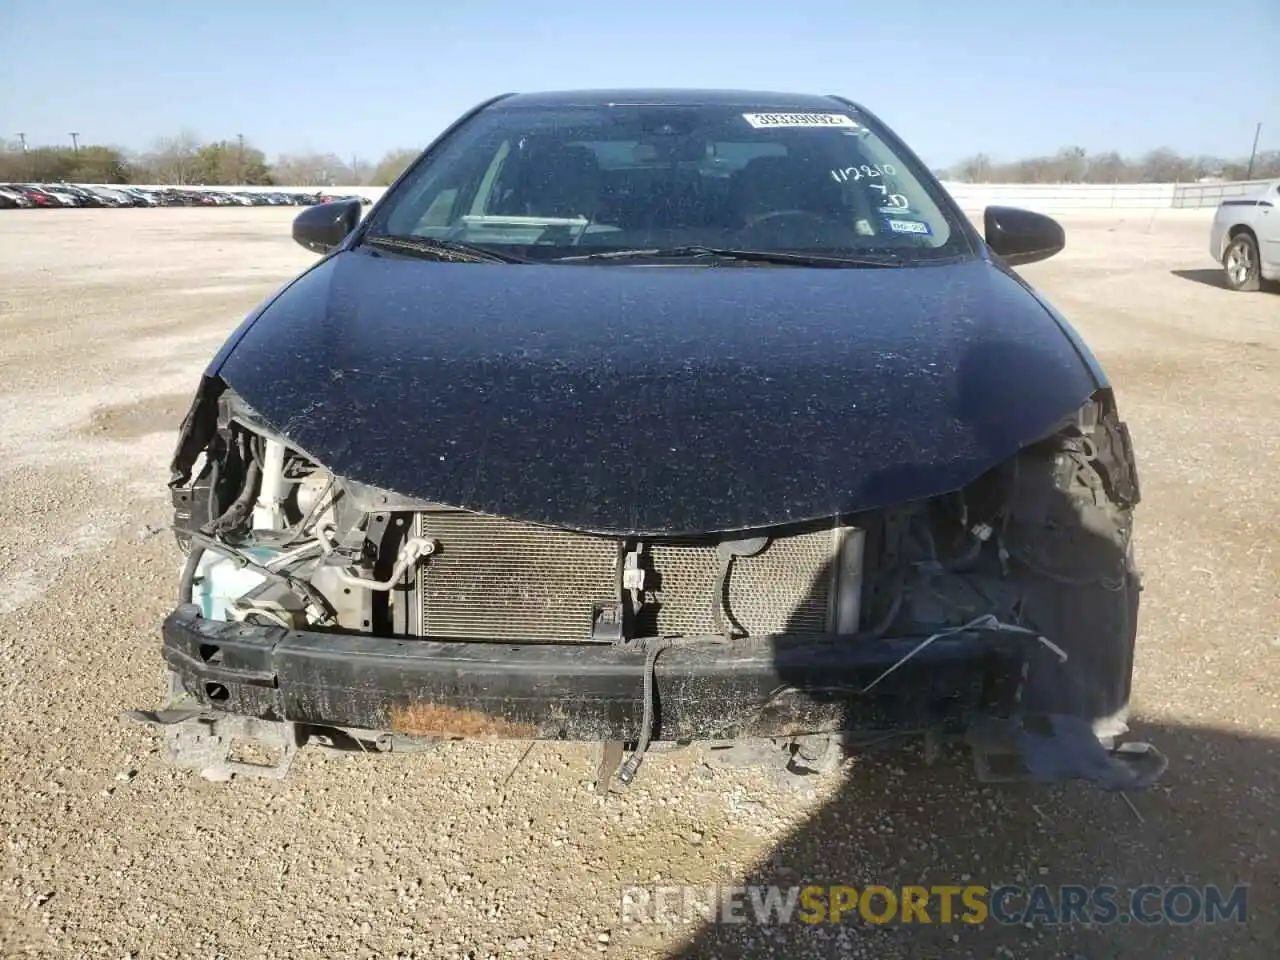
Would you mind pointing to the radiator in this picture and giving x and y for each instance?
(789, 586)
(497, 579)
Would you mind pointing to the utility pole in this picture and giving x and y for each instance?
(26, 168)
(75, 143)
(240, 162)
(1257, 132)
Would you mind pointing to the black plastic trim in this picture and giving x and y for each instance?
(707, 688)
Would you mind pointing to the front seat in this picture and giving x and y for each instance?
(561, 182)
(769, 184)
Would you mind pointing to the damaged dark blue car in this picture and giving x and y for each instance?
(640, 417)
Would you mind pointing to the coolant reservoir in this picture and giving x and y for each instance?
(220, 580)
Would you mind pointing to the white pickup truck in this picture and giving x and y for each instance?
(1245, 237)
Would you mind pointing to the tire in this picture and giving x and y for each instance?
(1241, 265)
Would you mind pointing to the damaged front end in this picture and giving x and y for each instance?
(315, 608)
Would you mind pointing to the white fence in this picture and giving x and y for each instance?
(1099, 196)
(1045, 197)
(1210, 194)
(1064, 196)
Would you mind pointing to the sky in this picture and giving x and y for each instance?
(1011, 79)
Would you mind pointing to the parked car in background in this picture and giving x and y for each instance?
(119, 196)
(114, 195)
(131, 198)
(94, 196)
(1245, 238)
(105, 197)
(335, 197)
(12, 198)
(168, 197)
(40, 197)
(65, 193)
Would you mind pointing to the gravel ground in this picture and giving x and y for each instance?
(478, 850)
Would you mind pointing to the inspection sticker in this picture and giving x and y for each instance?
(908, 226)
(801, 120)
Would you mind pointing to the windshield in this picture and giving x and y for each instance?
(548, 183)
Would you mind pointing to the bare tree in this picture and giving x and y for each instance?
(1163, 166)
(1108, 167)
(1072, 164)
(975, 169)
(310, 169)
(174, 159)
(357, 171)
(185, 159)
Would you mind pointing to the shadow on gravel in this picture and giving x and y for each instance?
(896, 820)
(1213, 278)
(1210, 278)
(1212, 820)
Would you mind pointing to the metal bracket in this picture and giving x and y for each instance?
(205, 742)
(608, 623)
(608, 758)
(820, 754)
(1059, 747)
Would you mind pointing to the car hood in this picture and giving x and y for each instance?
(652, 399)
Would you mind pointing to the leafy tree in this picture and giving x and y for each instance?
(89, 164)
(228, 163)
(94, 164)
(392, 164)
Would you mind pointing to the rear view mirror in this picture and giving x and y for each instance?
(324, 226)
(1020, 236)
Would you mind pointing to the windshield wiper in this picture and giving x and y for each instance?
(448, 250)
(726, 253)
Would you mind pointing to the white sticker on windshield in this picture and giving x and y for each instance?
(801, 120)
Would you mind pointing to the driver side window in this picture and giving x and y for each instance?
(440, 212)
(452, 192)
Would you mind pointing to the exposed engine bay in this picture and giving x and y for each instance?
(1037, 550)
(281, 541)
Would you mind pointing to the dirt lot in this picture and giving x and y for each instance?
(106, 319)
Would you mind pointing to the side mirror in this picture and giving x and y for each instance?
(324, 226)
(1020, 236)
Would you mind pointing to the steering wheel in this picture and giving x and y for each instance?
(800, 218)
(794, 214)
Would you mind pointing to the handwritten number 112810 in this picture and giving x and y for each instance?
(867, 170)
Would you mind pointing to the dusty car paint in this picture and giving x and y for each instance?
(646, 400)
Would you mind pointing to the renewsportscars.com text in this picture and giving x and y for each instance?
(973, 904)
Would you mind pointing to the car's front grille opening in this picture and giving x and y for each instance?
(786, 587)
(497, 579)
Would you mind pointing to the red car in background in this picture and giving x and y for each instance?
(38, 197)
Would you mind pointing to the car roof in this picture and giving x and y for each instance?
(673, 97)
